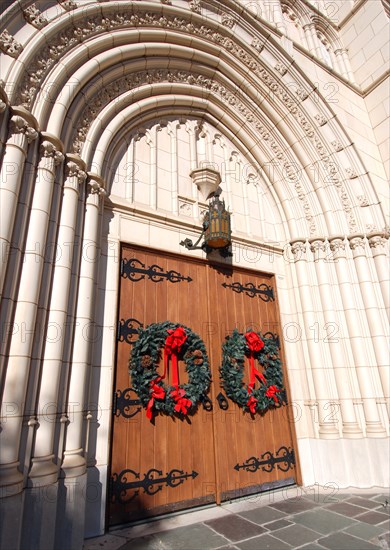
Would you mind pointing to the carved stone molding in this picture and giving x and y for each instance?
(97, 23)
(282, 69)
(351, 173)
(227, 20)
(3, 106)
(320, 119)
(19, 125)
(258, 44)
(302, 94)
(9, 45)
(33, 16)
(68, 5)
(195, 6)
(363, 201)
(290, 14)
(337, 145)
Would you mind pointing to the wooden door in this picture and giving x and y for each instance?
(171, 464)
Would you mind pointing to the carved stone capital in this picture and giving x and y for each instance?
(338, 247)
(318, 247)
(49, 151)
(358, 245)
(298, 249)
(195, 6)
(74, 175)
(9, 45)
(19, 125)
(96, 186)
(377, 242)
(33, 16)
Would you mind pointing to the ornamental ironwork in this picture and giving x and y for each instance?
(284, 460)
(124, 404)
(222, 401)
(128, 329)
(135, 271)
(128, 481)
(263, 291)
(274, 337)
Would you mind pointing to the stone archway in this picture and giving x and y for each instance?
(93, 75)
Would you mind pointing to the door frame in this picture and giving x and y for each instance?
(290, 415)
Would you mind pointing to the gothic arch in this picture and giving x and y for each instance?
(85, 78)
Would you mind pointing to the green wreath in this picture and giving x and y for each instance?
(178, 342)
(270, 392)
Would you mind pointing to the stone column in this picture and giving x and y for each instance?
(378, 244)
(327, 428)
(44, 470)
(307, 29)
(350, 426)
(378, 331)
(22, 132)
(344, 66)
(276, 15)
(74, 463)
(374, 426)
(17, 374)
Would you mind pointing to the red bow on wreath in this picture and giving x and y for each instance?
(255, 343)
(271, 392)
(173, 346)
(158, 393)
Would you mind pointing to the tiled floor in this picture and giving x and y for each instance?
(312, 519)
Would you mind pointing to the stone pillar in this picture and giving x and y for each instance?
(363, 365)
(309, 31)
(378, 331)
(350, 426)
(17, 375)
(378, 244)
(327, 427)
(74, 463)
(276, 15)
(70, 526)
(22, 132)
(44, 469)
(343, 64)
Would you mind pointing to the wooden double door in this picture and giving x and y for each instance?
(220, 452)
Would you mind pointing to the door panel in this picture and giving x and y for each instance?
(170, 464)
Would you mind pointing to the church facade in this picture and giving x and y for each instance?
(113, 116)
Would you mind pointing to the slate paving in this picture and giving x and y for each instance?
(342, 521)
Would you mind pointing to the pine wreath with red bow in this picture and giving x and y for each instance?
(174, 343)
(265, 389)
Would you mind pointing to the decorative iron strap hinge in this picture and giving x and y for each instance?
(126, 329)
(152, 482)
(284, 460)
(135, 271)
(123, 404)
(263, 291)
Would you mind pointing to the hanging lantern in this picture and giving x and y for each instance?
(217, 225)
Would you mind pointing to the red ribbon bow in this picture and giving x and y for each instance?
(251, 403)
(271, 392)
(182, 403)
(255, 344)
(173, 345)
(157, 393)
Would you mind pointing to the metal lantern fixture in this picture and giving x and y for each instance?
(216, 230)
(216, 221)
